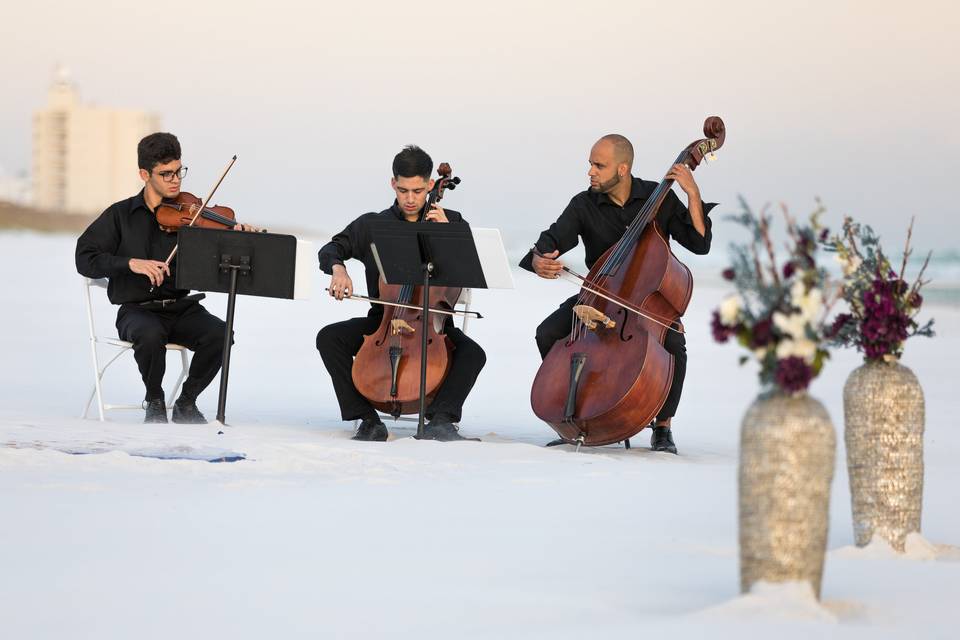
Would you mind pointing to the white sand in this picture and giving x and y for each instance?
(316, 535)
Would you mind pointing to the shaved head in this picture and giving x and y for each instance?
(622, 149)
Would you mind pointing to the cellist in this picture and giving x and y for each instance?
(599, 216)
(339, 342)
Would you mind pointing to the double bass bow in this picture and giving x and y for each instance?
(387, 369)
(609, 378)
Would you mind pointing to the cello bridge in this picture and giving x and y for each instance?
(399, 325)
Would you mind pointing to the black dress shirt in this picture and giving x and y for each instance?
(127, 229)
(601, 223)
(354, 242)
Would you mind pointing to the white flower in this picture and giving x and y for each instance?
(794, 325)
(811, 304)
(849, 263)
(801, 348)
(760, 354)
(729, 310)
(797, 290)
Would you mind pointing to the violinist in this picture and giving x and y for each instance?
(339, 342)
(599, 216)
(126, 245)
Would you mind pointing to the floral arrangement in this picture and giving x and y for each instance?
(882, 305)
(778, 312)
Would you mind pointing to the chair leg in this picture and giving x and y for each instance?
(86, 407)
(97, 373)
(184, 368)
(97, 381)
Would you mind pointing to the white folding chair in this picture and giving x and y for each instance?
(122, 347)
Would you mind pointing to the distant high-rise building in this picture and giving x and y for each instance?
(85, 157)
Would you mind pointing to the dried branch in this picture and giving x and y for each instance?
(765, 234)
(906, 250)
(828, 306)
(756, 264)
(848, 229)
(920, 281)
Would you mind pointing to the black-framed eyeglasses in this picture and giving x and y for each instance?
(168, 175)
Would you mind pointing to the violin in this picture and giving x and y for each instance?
(387, 369)
(187, 210)
(173, 213)
(609, 378)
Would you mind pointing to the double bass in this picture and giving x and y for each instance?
(609, 378)
(386, 370)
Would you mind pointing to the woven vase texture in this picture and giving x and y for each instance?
(787, 450)
(883, 412)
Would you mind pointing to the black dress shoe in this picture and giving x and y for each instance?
(662, 440)
(371, 430)
(441, 428)
(187, 413)
(156, 412)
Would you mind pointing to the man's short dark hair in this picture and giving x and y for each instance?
(157, 148)
(412, 162)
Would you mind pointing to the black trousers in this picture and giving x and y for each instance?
(340, 341)
(557, 326)
(185, 323)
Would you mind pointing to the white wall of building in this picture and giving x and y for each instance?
(85, 157)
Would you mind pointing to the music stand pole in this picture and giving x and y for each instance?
(235, 269)
(427, 270)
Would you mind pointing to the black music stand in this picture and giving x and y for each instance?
(235, 262)
(427, 254)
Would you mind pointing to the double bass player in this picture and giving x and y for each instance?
(599, 216)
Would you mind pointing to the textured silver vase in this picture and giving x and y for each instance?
(883, 413)
(787, 450)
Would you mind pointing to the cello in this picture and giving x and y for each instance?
(608, 379)
(387, 369)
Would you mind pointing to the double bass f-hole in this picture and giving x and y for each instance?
(624, 318)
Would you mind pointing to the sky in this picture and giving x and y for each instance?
(852, 102)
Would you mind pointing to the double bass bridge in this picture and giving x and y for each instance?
(591, 317)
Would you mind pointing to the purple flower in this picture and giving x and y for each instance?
(762, 334)
(824, 235)
(838, 324)
(788, 270)
(793, 374)
(728, 274)
(915, 300)
(721, 332)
